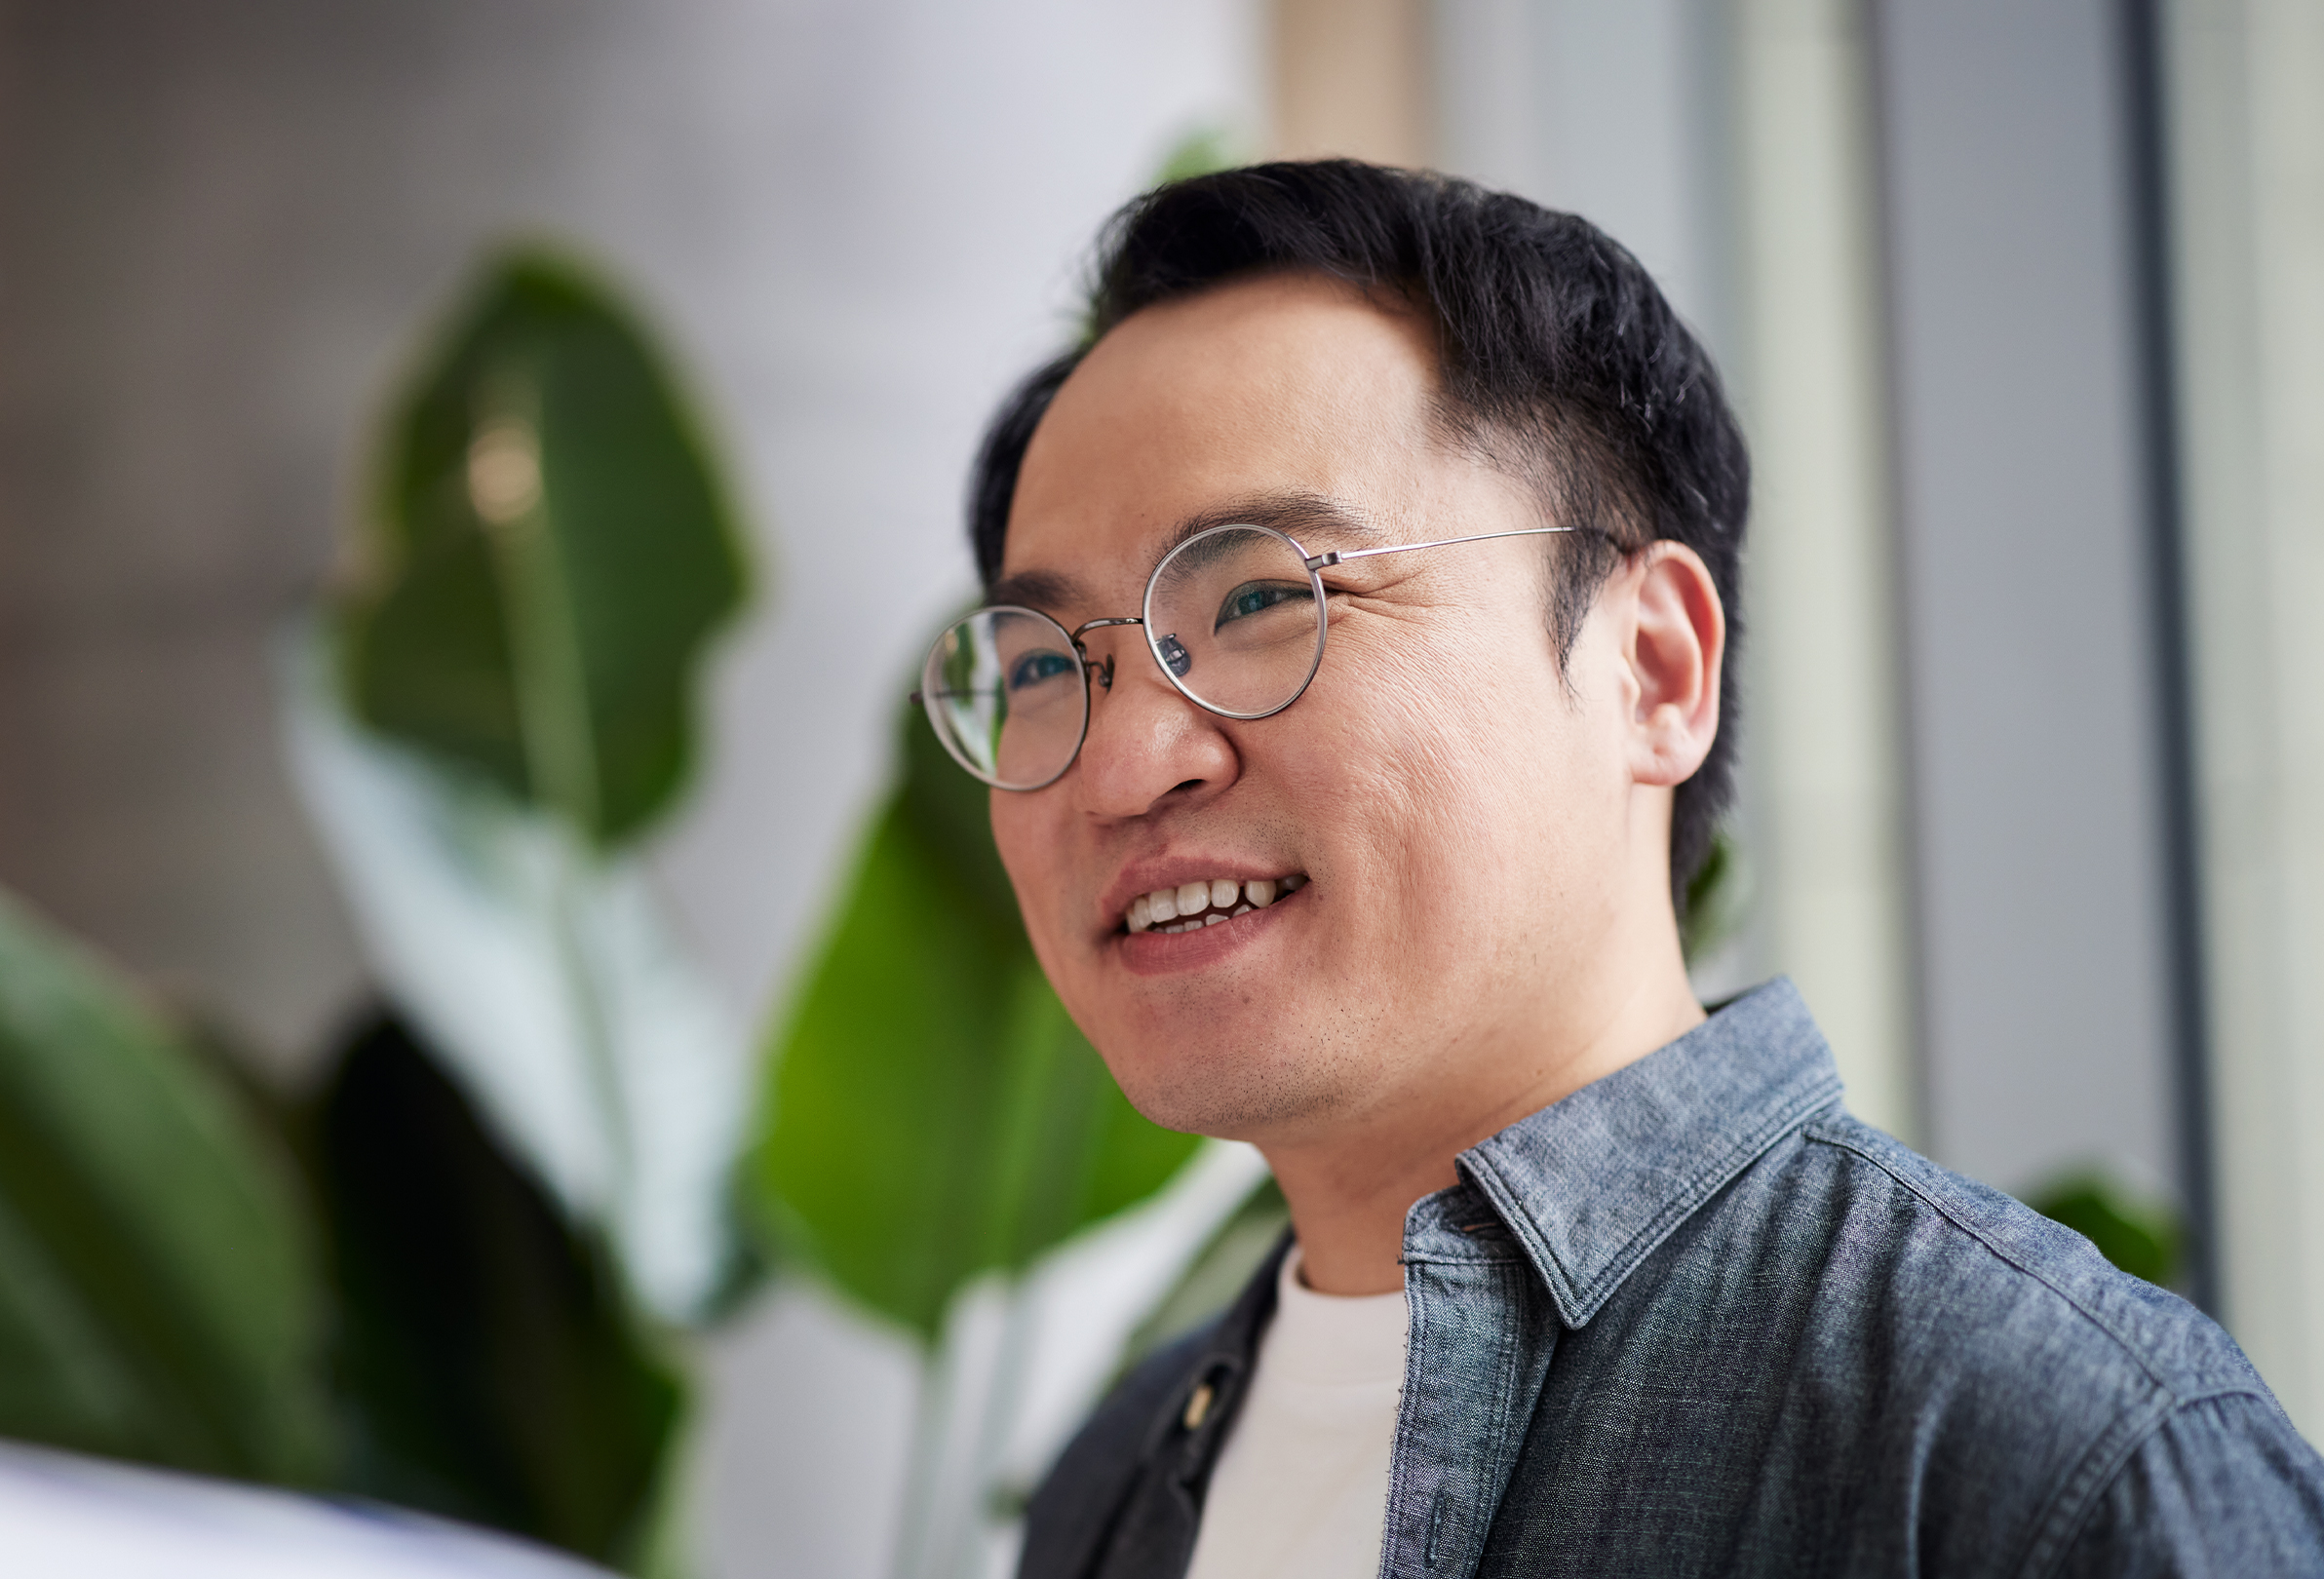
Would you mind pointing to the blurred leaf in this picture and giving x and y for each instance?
(548, 979)
(1203, 151)
(551, 555)
(1218, 1273)
(1716, 897)
(492, 1365)
(159, 1297)
(933, 1113)
(2144, 1239)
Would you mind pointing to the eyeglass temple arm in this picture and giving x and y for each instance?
(1324, 560)
(1319, 561)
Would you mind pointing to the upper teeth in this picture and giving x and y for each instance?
(1183, 908)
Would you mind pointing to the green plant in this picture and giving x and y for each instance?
(497, 714)
(490, 1364)
(2144, 1238)
(1201, 151)
(1717, 898)
(358, 1291)
(423, 1284)
(549, 557)
(160, 1294)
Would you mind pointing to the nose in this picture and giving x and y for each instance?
(1148, 743)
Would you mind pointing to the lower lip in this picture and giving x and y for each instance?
(1160, 953)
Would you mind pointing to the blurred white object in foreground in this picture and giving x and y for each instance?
(91, 1518)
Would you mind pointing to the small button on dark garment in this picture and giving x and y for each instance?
(1719, 1327)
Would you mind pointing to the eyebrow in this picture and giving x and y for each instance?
(1292, 514)
(1045, 590)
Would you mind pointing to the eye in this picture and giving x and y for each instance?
(1258, 596)
(1039, 669)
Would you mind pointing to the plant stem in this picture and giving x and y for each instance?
(923, 1478)
(996, 1418)
(594, 1025)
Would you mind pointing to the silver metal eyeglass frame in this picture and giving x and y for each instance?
(1103, 673)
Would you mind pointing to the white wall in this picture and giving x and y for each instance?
(1822, 719)
(2247, 122)
(1612, 111)
(2032, 663)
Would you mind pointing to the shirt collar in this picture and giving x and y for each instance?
(1590, 1185)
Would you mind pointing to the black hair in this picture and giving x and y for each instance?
(1561, 361)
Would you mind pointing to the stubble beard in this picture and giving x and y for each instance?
(1282, 1082)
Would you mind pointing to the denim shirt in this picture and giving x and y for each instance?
(1694, 1318)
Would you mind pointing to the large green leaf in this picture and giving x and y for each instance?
(550, 554)
(490, 1364)
(933, 1113)
(159, 1297)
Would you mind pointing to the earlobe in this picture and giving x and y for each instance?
(1676, 651)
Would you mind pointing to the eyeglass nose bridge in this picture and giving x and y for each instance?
(1103, 672)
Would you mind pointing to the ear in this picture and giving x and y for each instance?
(1674, 646)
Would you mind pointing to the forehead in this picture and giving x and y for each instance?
(1288, 386)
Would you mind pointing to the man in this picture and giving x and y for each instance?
(1353, 697)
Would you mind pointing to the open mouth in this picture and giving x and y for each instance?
(1190, 905)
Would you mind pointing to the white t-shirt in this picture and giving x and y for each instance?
(1300, 1489)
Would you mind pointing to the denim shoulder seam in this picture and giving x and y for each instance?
(1682, 1203)
(2069, 1509)
(1819, 1133)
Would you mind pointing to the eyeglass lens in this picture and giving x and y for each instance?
(1232, 616)
(1233, 619)
(1004, 689)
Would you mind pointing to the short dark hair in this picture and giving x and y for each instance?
(1560, 358)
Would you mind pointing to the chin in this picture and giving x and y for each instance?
(1228, 1096)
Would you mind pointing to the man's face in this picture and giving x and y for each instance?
(1465, 819)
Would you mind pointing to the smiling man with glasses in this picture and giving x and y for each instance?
(1356, 689)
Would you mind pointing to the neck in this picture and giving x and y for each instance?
(1350, 1187)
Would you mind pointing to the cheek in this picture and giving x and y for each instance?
(1031, 852)
(1441, 742)
(1488, 768)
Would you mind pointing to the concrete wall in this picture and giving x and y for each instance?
(221, 232)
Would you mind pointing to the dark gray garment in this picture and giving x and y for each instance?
(1696, 1320)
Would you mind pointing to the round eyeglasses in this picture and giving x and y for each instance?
(1234, 616)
